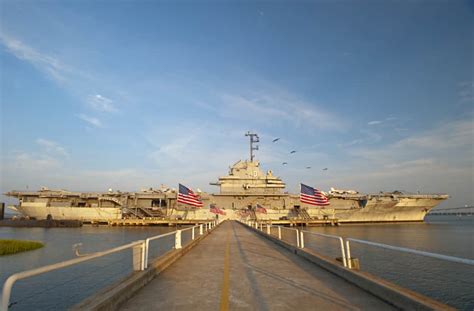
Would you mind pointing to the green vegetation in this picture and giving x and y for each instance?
(8, 247)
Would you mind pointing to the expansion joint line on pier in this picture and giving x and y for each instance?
(225, 281)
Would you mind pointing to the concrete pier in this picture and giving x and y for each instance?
(233, 268)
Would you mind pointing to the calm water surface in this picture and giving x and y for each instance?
(63, 288)
(451, 283)
(448, 282)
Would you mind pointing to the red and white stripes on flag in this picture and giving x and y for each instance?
(187, 196)
(312, 196)
(214, 209)
(260, 209)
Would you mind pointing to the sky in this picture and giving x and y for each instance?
(134, 94)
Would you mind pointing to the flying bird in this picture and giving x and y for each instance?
(276, 139)
(284, 163)
(293, 151)
(308, 167)
(325, 169)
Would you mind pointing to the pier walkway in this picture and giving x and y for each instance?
(234, 268)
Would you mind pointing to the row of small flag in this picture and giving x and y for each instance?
(187, 196)
(308, 195)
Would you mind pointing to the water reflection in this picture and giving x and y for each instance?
(65, 287)
(451, 283)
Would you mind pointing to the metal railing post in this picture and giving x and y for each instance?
(301, 239)
(348, 252)
(344, 261)
(143, 255)
(200, 229)
(177, 240)
(297, 238)
(147, 247)
(343, 253)
(279, 232)
(268, 229)
(7, 289)
(138, 257)
(192, 233)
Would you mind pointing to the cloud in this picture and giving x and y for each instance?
(424, 162)
(450, 135)
(352, 142)
(368, 137)
(46, 63)
(446, 138)
(51, 147)
(101, 103)
(273, 107)
(34, 162)
(72, 79)
(374, 122)
(466, 91)
(91, 120)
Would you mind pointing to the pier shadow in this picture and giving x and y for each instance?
(298, 263)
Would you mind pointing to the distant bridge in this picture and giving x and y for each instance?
(467, 210)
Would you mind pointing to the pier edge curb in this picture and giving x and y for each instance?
(113, 296)
(389, 292)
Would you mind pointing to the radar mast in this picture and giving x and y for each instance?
(253, 140)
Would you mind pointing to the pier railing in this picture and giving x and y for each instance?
(282, 233)
(408, 250)
(140, 256)
(345, 260)
(344, 244)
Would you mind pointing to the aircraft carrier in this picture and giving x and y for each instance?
(245, 187)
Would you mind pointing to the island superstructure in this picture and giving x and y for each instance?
(245, 187)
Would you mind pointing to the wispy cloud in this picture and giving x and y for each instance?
(46, 63)
(272, 107)
(91, 120)
(374, 122)
(34, 162)
(450, 136)
(466, 91)
(51, 147)
(69, 77)
(424, 162)
(101, 103)
(367, 137)
(49, 155)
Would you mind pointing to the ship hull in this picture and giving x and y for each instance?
(345, 211)
(71, 213)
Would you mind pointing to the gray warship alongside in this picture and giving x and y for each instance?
(245, 186)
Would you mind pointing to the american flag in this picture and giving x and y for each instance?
(313, 196)
(214, 209)
(244, 213)
(187, 196)
(261, 209)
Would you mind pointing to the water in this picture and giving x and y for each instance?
(447, 282)
(450, 283)
(63, 288)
